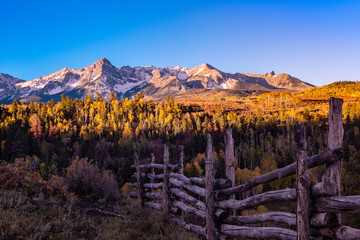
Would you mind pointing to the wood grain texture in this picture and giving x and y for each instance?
(209, 190)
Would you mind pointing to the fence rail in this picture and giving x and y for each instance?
(214, 201)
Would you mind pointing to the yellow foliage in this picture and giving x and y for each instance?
(126, 189)
(193, 169)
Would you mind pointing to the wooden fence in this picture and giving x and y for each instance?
(318, 209)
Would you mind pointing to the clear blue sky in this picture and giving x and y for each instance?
(316, 41)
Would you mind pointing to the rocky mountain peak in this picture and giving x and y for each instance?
(104, 61)
(206, 65)
(101, 64)
(8, 80)
(102, 77)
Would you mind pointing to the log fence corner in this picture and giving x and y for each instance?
(215, 202)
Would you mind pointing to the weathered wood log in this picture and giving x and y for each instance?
(140, 190)
(150, 176)
(277, 217)
(229, 158)
(209, 190)
(155, 177)
(190, 227)
(188, 209)
(332, 172)
(258, 232)
(302, 186)
(153, 205)
(148, 195)
(175, 210)
(220, 183)
(181, 177)
(143, 175)
(197, 180)
(324, 189)
(221, 214)
(133, 194)
(181, 171)
(192, 188)
(181, 159)
(324, 220)
(190, 199)
(153, 185)
(272, 196)
(340, 232)
(329, 156)
(153, 195)
(172, 167)
(229, 163)
(165, 190)
(152, 180)
(338, 204)
(149, 185)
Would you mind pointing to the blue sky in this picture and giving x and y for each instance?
(316, 41)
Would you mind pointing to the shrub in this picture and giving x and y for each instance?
(19, 175)
(84, 178)
(126, 189)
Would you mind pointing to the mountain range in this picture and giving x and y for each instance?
(102, 77)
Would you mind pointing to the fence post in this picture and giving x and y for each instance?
(140, 191)
(152, 170)
(302, 186)
(229, 158)
(209, 190)
(181, 170)
(332, 173)
(165, 190)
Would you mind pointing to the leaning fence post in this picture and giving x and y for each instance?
(332, 173)
(140, 191)
(165, 190)
(302, 186)
(209, 190)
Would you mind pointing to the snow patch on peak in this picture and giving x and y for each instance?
(126, 86)
(182, 76)
(200, 70)
(55, 90)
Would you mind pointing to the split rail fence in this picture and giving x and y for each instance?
(318, 205)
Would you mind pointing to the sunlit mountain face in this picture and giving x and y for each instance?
(103, 77)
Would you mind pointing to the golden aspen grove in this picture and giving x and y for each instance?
(61, 151)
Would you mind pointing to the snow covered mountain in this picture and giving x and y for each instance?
(102, 77)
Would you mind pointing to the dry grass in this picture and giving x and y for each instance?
(25, 217)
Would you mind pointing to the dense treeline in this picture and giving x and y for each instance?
(52, 136)
(342, 89)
